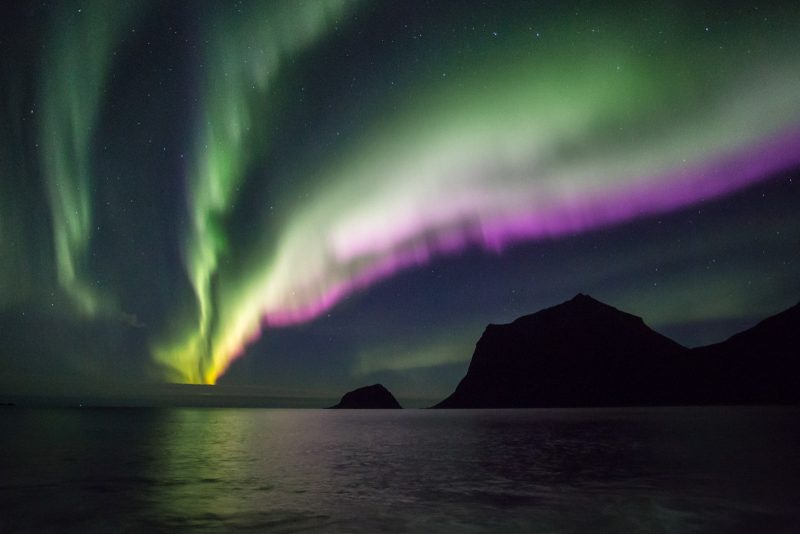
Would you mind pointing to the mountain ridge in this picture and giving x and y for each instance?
(584, 352)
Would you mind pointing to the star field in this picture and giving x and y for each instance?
(312, 195)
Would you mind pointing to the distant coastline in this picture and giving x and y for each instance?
(581, 353)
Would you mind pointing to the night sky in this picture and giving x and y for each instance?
(307, 197)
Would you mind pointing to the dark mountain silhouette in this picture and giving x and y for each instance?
(586, 353)
(759, 365)
(375, 396)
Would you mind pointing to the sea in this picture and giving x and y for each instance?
(648, 470)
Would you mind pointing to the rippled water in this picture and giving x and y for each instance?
(612, 470)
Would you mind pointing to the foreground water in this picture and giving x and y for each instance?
(606, 470)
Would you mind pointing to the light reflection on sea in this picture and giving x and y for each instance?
(613, 470)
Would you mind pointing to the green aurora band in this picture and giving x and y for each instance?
(77, 63)
(243, 60)
(536, 136)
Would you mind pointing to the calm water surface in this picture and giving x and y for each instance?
(610, 470)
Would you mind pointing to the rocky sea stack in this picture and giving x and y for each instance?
(370, 397)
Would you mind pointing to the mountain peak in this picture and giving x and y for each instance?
(581, 352)
(580, 309)
(584, 300)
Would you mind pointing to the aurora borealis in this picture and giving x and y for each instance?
(306, 195)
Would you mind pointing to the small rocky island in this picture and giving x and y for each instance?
(374, 397)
